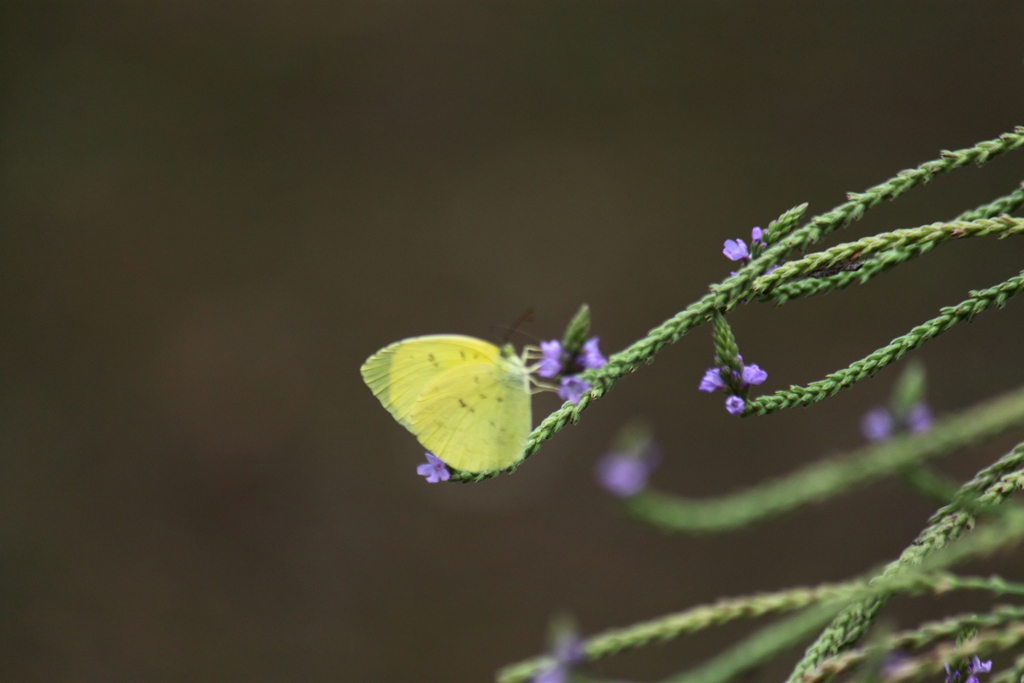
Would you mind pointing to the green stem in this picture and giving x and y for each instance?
(1005, 204)
(824, 479)
(945, 527)
(725, 610)
(937, 488)
(759, 648)
(884, 261)
(727, 295)
(927, 634)
(866, 367)
(913, 241)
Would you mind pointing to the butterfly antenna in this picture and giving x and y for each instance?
(525, 317)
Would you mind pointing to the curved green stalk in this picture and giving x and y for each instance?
(884, 261)
(1005, 204)
(758, 648)
(856, 266)
(979, 301)
(824, 479)
(912, 241)
(938, 488)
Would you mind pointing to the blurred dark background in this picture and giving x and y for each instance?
(212, 213)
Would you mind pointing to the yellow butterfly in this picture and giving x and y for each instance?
(466, 400)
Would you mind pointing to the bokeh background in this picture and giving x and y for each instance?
(212, 213)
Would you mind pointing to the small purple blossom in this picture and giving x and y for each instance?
(977, 666)
(551, 363)
(974, 667)
(735, 405)
(755, 236)
(736, 250)
(741, 380)
(877, 424)
(753, 375)
(591, 358)
(711, 381)
(920, 418)
(572, 388)
(434, 469)
(624, 473)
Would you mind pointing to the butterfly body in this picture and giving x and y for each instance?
(466, 400)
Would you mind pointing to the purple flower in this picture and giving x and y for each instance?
(753, 375)
(572, 388)
(622, 474)
(920, 418)
(951, 676)
(551, 363)
(755, 236)
(736, 250)
(434, 469)
(977, 666)
(877, 424)
(711, 381)
(735, 405)
(974, 667)
(591, 358)
(625, 474)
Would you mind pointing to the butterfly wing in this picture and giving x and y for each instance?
(476, 418)
(465, 401)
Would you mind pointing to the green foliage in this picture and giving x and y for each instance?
(982, 506)
(753, 281)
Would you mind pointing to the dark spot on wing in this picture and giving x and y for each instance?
(476, 379)
(472, 410)
(483, 395)
(501, 400)
(463, 354)
(462, 403)
(491, 422)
